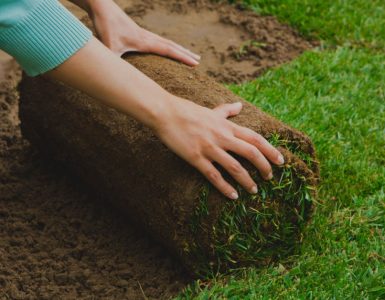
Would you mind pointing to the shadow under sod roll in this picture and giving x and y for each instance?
(125, 163)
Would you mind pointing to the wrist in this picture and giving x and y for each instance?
(171, 110)
(157, 115)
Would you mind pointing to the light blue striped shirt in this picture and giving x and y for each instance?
(40, 34)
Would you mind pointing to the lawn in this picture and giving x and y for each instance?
(336, 22)
(336, 94)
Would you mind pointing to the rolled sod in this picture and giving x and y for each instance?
(124, 163)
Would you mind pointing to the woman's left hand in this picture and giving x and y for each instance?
(121, 34)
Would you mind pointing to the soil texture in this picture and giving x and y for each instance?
(235, 44)
(5, 65)
(56, 242)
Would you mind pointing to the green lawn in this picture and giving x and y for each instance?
(337, 96)
(357, 22)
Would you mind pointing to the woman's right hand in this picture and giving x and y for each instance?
(201, 136)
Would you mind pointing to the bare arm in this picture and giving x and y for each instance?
(197, 134)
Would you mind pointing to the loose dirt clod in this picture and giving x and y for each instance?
(168, 198)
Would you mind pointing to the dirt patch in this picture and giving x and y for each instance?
(5, 65)
(236, 44)
(56, 241)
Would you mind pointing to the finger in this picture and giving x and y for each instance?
(215, 177)
(180, 47)
(261, 143)
(183, 50)
(177, 54)
(252, 154)
(228, 109)
(166, 49)
(236, 170)
(192, 54)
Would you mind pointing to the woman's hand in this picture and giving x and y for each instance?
(121, 34)
(201, 136)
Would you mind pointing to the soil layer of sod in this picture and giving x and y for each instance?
(56, 241)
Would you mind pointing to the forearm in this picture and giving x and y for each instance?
(99, 73)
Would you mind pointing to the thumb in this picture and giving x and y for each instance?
(229, 109)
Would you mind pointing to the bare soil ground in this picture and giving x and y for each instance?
(56, 241)
(235, 44)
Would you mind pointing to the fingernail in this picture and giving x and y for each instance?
(196, 56)
(238, 103)
(270, 176)
(281, 160)
(254, 190)
(234, 195)
(195, 62)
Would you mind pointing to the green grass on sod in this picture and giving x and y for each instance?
(338, 98)
(257, 229)
(336, 21)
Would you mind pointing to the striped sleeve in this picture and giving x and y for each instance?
(41, 34)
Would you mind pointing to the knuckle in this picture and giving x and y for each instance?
(208, 147)
(225, 134)
(225, 139)
(257, 139)
(252, 153)
(195, 155)
(235, 167)
(213, 176)
(266, 169)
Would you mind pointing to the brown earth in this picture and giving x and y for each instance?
(56, 241)
(235, 44)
